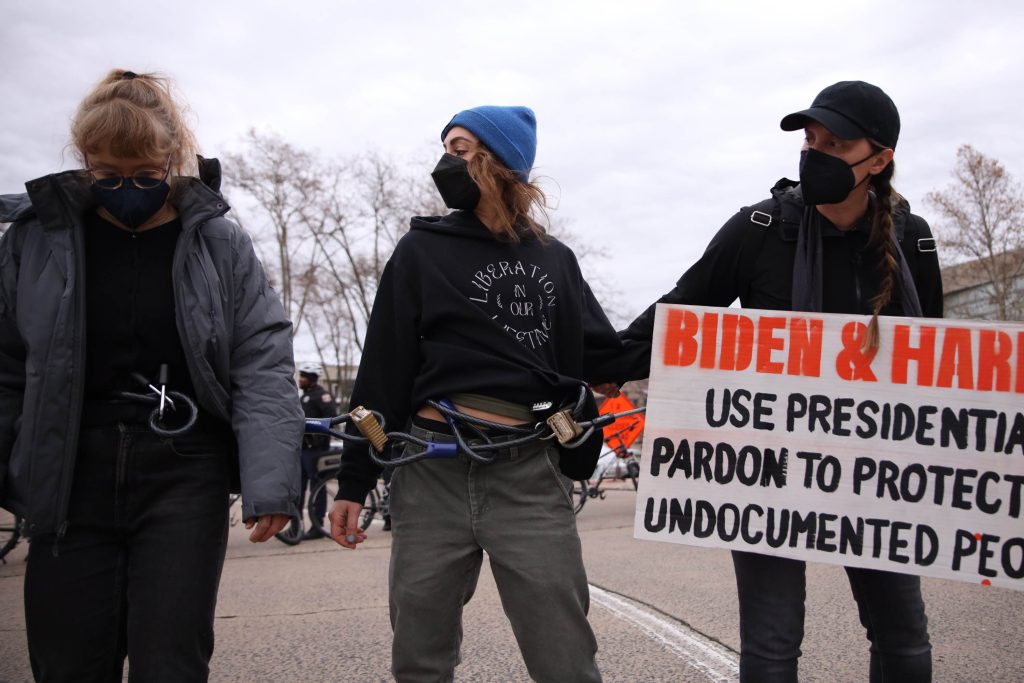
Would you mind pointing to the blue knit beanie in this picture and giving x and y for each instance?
(509, 132)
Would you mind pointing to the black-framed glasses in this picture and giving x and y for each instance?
(144, 180)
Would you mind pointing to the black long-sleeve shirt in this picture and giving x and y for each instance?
(748, 261)
(130, 321)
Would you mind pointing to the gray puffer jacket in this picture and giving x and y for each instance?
(236, 337)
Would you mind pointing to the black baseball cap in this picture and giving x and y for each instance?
(851, 110)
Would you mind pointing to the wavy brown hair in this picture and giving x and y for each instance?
(881, 240)
(520, 203)
(135, 115)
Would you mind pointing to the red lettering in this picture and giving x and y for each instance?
(709, 340)
(903, 353)
(680, 338)
(1020, 363)
(994, 360)
(805, 347)
(956, 360)
(853, 362)
(768, 342)
(737, 342)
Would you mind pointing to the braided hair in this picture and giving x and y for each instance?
(880, 239)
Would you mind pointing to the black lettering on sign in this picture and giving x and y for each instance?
(988, 554)
(739, 408)
(960, 488)
(719, 462)
(891, 540)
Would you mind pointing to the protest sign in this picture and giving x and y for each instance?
(777, 433)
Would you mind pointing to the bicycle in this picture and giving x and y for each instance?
(10, 533)
(377, 500)
(618, 462)
(290, 535)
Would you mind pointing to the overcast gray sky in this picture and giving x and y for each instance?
(656, 120)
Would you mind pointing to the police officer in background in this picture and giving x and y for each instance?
(317, 402)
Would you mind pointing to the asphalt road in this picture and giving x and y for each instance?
(662, 612)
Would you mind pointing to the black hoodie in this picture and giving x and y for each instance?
(458, 311)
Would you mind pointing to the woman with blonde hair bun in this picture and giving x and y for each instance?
(145, 371)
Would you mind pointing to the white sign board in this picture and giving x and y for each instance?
(773, 432)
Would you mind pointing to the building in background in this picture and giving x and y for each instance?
(969, 291)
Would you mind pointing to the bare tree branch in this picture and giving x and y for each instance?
(327, 228)
(285, 183)
(982, 222)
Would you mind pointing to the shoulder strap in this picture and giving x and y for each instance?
(763, 216)
(911, 241)
(778, 213)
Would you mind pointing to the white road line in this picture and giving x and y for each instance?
(706, 656)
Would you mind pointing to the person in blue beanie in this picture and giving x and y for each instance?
(481, 307)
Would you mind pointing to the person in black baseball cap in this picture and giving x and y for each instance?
(839, 241)
(852, 110)
(851, 130)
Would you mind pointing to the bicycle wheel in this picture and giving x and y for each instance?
(370, 508)
(291, 534)
(330, 484)
(580, 493)
(633, 471)
(10, 532)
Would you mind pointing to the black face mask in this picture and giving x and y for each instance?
(451, 176)
(825, 179)
(129, 204)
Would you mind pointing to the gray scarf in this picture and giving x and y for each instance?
(808, 276)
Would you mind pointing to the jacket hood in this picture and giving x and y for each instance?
(209, 173)
(463, 224)
(459, 223)
(14, 207)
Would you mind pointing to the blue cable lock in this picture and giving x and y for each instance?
(442, 450)
(318, 425)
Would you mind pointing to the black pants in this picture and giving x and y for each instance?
(771, 595)
(137, 572)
